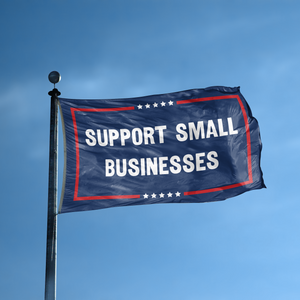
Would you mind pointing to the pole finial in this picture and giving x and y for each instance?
(54, 77)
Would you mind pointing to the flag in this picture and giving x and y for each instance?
(192, 146)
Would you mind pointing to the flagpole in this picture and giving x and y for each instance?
(50, 278)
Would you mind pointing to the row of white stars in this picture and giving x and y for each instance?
(161, 195)
(140, 106)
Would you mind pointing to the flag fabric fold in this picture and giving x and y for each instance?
(192, 146)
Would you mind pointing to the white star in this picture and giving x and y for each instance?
(178, 194)
(161, 195)
(146, 196)
(155, 104)
(147, 105)
(163, 103)
(140, 106)
(170, 102)
(153, 195)
(170, 194)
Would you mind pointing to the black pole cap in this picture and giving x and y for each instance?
(54, 77)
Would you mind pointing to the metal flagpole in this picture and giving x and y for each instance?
(50, 280)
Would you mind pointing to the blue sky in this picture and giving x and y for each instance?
(246, 247)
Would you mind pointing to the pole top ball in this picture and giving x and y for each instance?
(54, 77)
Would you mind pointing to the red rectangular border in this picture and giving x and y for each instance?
(180, 102)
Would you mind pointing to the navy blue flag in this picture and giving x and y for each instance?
(186, 147)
